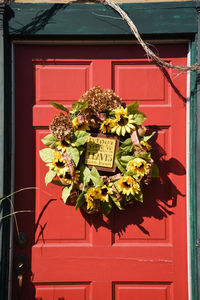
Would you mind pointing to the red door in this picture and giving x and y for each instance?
(140, 253)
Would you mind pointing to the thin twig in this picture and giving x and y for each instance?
(149, 52)
(16, 212)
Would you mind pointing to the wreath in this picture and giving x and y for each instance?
(99, 152)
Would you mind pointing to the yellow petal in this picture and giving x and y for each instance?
(118, 131)
(123, 130)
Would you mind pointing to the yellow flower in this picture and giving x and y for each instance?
(63, 144)
(145, 145)
(80, 126)
(138, 166)
(107, 125)
(105, 192)
(90, 197)
(123, 123)
(127, 185)
(58, 164)
(96, 194)
(67, 178)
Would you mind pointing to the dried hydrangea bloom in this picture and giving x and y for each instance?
(111, 99)
(99, 100)
(61, 127)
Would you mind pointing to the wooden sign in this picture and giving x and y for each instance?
(100, 152)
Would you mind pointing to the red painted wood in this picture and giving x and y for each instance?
(140, 253)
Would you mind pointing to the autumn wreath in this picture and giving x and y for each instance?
(99, 152)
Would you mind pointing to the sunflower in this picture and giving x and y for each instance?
(58, 164)
(68, 178)
(145, 145)
(80, 125)
(105, 192)
(138, 166)
(92, 196)
(123, 122)
(127, 185)
(107, 125)
(63, 144)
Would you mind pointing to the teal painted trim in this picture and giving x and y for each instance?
(194, 170)
(1, 142)
(5, 154)
(76, 19)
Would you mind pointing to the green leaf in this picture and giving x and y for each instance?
(86, 176)
(80, 201)
(132, 108)
(57, 182)
(46, 155)
(66, 192)
(105, 208)
(118, 161)
(120, 167)
(80, 137)
(139, 118)
(145, 155)
(95, 177)
(139, 197)
(117, 203)
(50, 141)
(126, 158)
(146, 138)
(60, 106)
(49, 176)
(155, 171)
(127, 146)
(78, 105)
(74, 154)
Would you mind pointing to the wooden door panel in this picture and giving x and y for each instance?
(134, 254)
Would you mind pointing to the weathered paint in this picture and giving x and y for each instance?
(58, 19)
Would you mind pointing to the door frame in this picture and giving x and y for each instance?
(184, 25)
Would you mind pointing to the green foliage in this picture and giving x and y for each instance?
(147, 137)
(139, 196)
(60, 106)
(155, 171)
(85, 175)
(57, 182)
(117, 203)
(105, 207)
(49, 176)
(127, 146)
(74, 154)
(50, 141)
(139, 118)
(118, 161)
(66, 192)
(132, 108)
(80, 138)
(46, 155)
(145, 155)
(78, 105)
(96, 178)
(80, 201)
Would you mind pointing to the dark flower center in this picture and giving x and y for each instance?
(123, 121)
(141, 166)
(64, 143)
(104, 191)
(68, 176)
(60, 164)
(126, 184)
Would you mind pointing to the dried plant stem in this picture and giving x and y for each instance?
(148, 51)
(13, 213)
